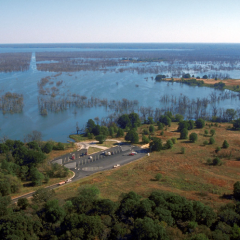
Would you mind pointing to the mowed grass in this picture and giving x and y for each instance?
(186, 174)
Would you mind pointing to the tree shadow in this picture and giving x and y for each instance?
(227, 196)
(29, 184)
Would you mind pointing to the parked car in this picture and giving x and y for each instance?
(115, 166)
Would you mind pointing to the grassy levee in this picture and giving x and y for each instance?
(186, 174)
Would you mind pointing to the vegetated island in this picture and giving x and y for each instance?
(187, 188)
(231, 84)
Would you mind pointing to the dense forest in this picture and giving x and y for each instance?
(87, 216)
(24, 164)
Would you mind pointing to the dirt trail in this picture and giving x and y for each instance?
(88, 144)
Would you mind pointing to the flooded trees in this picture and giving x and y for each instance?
(11, 103)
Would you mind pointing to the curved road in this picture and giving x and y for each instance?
(98, 162)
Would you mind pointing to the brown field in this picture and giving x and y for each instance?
(185, 174)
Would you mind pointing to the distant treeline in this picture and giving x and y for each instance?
(118, 61)
(11, 62)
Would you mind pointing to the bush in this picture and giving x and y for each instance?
(120, 133)
(211, 140)
(160, 126)
(59, 146)
(193, 137)
(209, 161)
(90, 135)
(217, 161)
(145, 132)
(212, 132)
(100, 138)
(47, 148)
(206, 132)
(184, 134)
(151, 129)
(158, 176)
(205, 142)
(183, 150)
(162, 133)
(169, 144)
(225, 144)
(22, 203)
(217, 149)
(174, 140)
(145, 139)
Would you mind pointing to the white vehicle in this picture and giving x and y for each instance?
(134, 152)
(90, 157)
(69, 180)
(107, 153)
(115, 166)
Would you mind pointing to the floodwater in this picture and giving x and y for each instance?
(110, 84)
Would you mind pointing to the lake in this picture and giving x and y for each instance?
(111, 85)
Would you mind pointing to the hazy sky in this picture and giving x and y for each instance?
(84, 21)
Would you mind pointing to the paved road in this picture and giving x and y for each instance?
(85, 166)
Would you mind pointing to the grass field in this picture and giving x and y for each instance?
(186, 174)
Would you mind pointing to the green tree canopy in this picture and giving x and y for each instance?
(184, 134)
(134, 120)
(193, 137)
(124, 121)
(166, 120)
(148, 229)
(120, 133)
(236, 190)
(200, 123)
(156, 144)
(43, 195)
(225, 144)
(53, 212)
(236, 124)
(47, 148)
(151, 129)
(132, 136)
(101, 138)
(90, 125)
